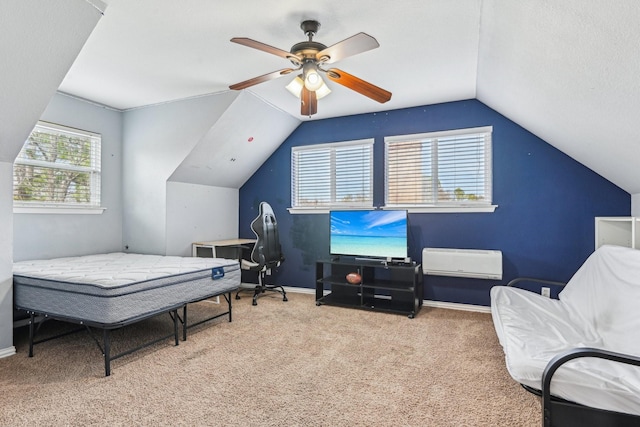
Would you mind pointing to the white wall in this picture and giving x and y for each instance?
(197, 213)
(6, 277)
(635, 204)
(32, 33)
(156, 140)
(38, 236)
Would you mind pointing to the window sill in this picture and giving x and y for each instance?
(66, 210)
(447, 209)
(410, 209)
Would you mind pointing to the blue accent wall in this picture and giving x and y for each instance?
(544, 223)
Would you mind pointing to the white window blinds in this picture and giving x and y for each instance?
(58, 167)
(443, 168)
(332, 175)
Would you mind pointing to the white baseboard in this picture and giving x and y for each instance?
(6, 352)
(457, 306)
(427, 303)
(296, 290)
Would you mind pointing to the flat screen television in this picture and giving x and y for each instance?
(378, 234)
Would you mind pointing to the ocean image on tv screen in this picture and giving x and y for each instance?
(380, 234)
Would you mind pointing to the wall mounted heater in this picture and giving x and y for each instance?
(475, 263)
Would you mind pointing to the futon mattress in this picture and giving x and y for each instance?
(119, 288)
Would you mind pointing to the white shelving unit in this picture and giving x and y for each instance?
(618, 230)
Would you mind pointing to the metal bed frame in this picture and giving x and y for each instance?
(558, 412)
(105, 346)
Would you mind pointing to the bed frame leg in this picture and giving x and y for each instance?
(32, 321)
(228, 298)
(107, 352)
(184, 323)
(175, 326)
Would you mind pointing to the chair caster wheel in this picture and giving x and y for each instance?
(254, 302)
(237, 296)
(285, 299)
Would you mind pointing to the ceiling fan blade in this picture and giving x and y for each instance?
(359, 43)
(260, 79)
(359, 85)
(266, 48)
(308, 102)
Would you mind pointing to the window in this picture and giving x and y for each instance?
(332, 175)
(58, 167)
(451, 168)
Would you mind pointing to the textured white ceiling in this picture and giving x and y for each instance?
(149, 51)
(32, 63)
(567, 70)
(237, 144)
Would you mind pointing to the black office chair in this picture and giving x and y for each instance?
(266, 253)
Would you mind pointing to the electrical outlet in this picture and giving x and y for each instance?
(546, 292)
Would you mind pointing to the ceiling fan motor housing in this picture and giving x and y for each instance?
(307, 50)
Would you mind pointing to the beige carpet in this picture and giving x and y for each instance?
(277, 364)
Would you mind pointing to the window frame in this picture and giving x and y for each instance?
(441, 205)
(332, 204)
(95, 171)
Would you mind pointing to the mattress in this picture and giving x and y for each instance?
(114, 289)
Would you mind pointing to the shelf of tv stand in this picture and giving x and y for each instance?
(385, 287)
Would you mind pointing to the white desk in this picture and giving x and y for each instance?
(230, 248)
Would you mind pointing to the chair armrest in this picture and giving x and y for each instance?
(561, 358)
(534, 280)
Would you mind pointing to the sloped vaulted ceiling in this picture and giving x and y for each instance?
(245, 135)
(39, 40)
(567, 70)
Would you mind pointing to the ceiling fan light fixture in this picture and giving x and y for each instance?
(296, 85)
(322, 91)
(310, 57)
(312, 79)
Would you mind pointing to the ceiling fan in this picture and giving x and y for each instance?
(311, 57)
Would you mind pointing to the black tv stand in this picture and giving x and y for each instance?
(387, 287)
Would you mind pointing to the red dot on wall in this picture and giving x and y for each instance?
(250, 139)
